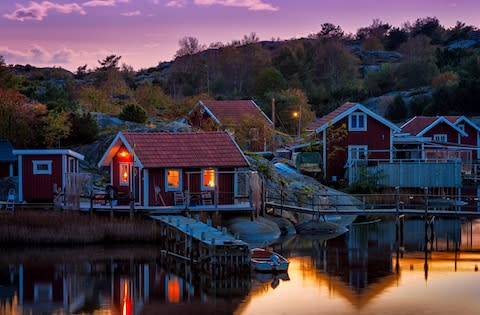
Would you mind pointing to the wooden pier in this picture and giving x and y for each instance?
(212, 249)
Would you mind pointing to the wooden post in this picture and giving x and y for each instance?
(397, 199)
(273, 124)
(425, 194)
(132, 204)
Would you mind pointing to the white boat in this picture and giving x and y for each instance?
(268, 261)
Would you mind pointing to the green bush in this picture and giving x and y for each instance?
(133, 112)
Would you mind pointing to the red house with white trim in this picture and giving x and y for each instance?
(158, 167)
(42, 172)
(213, 114)
(368, 136)
(472, 131)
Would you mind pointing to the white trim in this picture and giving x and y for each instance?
(352, 109)
(64, 172)
(436, 122)
(440, 137)
(145, 187)
(202, 184)
(120, 182)
(357, 148)
(324, 149)
(180, 179)
(235, 184)
(357, 116)
(36, 163)
(261, 111)
(49, 152)
(467, 120)
(105, 160)
(20, 179)
(238, 148)
(210, 113)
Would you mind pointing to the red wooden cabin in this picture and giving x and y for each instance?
(172, 169)
(43, 173)
(472, 131)
(367, 136)
(213, 114)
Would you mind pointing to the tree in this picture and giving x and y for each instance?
(395, 38)
(430, 27)
(252, 38)
(377, 30)
(133, 112)
(397, 111)
(292, 101)
(57, 128)
(189, 45)
(268, 80)
(152, 98)
(83, 130)
(109, 63)
(330, 31)
(445, 79)
(81, 72)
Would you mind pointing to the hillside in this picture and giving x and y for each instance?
(399, 72)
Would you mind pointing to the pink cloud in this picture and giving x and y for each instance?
(37, 55)
(176, 3)
(133, 13)
(99, 3)
(253, 5)
(38, 10)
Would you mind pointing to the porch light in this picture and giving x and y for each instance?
(295, 114)
(123, 153)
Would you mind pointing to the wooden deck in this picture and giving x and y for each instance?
(87, 206)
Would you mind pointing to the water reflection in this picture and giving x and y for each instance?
(380, 268)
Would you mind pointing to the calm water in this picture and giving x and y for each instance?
(369, 270)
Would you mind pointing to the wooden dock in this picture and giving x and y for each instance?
(372, 211)
(213, 249)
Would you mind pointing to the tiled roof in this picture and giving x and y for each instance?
(330, 116)
(417, 124)
(452, 119)
(6, 154)
(234, 110)
(186, 149)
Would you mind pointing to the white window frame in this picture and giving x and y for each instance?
(37, 163)
(357, 149)
(180, 183)
(355, 117)
(440, 137)
(120, 181)
(204, 187)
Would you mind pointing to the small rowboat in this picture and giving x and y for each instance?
(268, 261)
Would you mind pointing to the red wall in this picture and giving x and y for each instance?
(156, 177)
(117, 159)
(443, 128)
(40, 187)
(376, 137)
(471, 139)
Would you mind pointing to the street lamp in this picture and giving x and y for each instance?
(298, 115)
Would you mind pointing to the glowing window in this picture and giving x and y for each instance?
(208, 179)
(124, 174)
(173, 180)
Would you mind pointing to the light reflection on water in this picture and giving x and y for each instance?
(370, 270)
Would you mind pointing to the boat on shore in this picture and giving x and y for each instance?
(268, 261)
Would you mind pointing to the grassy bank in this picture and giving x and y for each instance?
(57, 228)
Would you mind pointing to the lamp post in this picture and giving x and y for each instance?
(298, 116)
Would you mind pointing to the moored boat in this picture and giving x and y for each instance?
(268, 261)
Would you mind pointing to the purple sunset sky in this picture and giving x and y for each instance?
(70, 33)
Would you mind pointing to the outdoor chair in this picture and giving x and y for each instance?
(207, 198)
(179, 198)
(10, 204)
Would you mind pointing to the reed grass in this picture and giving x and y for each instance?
(68, 227)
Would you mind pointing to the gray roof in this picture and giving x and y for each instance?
(6, 154)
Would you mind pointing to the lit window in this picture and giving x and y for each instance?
(440, 138)
(42, 167)
(173, 180)
(208, 179)
(357, 122)
(124, 174)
